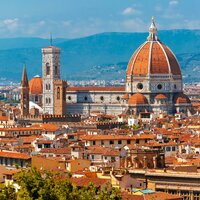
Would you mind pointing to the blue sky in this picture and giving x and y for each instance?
(78, 18)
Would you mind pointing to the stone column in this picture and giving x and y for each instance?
(155, 162)
(144, 162)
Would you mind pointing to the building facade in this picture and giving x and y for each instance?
(153, 85)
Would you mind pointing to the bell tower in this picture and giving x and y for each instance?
(50, 73)
(60, 97)
(24, 101)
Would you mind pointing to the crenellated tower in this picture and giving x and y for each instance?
(60, 97)
(24, 102)
(50, 73)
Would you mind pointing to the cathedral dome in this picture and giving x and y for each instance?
(35, 85)
(160, 96)
(153, 57)
(181, 99)
(137, 99)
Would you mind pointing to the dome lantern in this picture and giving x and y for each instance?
(153, 31)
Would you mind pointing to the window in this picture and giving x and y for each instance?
(102, 142)
(168, 148)
(159, 86)
(47, 69)
(39, 146)
(137, 141)
(118, 98)
(69, 98)
(111, 141)
(113, 159)
(128, 141)
(36, 98)
(175, 86)
(119, 142)
(173, 148)
(140, 86)
(48, 86)
(93, 142)
(105, 157)
(56, 70)
(85, 98)
(92, 157)
(47, 100)
(102, 98)
(58, 93)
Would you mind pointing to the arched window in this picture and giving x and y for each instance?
(49, 87)
(58, 93)
(36, 98)
(56, 70)
(69, 98)
(47, 100)
(47, 69)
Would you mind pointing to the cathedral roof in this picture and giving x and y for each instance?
(96, 88)
(181, 98)
(160, 96)
(35, 85)
(137, 99)
(153, 57)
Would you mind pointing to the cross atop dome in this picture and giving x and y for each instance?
(152, 31)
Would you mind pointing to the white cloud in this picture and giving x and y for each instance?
(173, 2)
(11, 24)
(130, 11)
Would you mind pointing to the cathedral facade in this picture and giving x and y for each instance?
(153, 85)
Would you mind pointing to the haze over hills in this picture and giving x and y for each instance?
(101, 56)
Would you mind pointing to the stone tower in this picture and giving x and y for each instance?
(51, 72)
(24, 102)
(60, 97)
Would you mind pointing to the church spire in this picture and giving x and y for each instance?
(152, 31)
(24, 81)
(24, 101)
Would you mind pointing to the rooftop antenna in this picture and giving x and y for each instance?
(51, 41)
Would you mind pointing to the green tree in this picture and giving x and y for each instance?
(7, 192)
(35, 185)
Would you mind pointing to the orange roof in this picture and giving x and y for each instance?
(35, 85)
(153, 57)
(3, 118)
(160, 96)
(10, 154)
(181, 99)
(125, 96)
(162, 195)
(137, 99)
(159, 64)
(84, 181)
(49, 127)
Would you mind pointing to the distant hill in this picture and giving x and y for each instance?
(104, 56)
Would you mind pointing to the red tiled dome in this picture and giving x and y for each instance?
(138, 99)
(181, 99)
(153, 57)
(35, 85)
(125, 96)
(160, 96)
